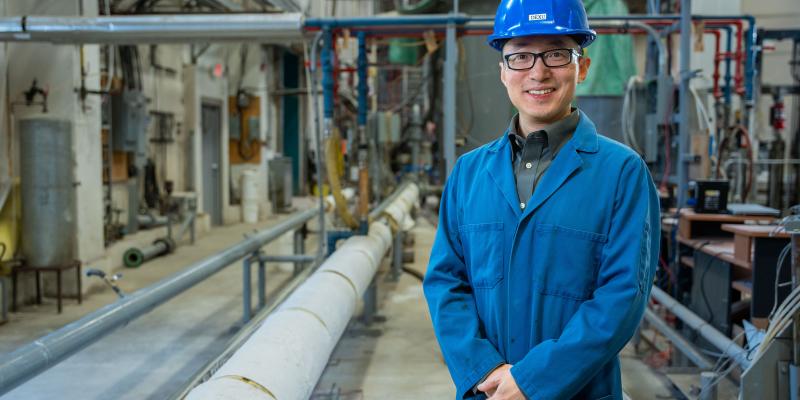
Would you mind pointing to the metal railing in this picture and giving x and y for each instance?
(36, 357)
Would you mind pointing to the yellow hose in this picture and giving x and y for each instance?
(332, 156)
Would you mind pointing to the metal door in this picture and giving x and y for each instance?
(212, 161)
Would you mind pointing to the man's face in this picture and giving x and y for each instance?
(542, 94)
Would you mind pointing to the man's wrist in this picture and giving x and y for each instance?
(486, 375)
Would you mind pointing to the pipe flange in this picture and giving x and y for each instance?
(133, 258)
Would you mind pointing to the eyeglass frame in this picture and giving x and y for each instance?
(536, 56)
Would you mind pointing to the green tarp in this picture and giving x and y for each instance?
(612, 56)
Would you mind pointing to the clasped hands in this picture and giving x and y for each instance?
(500, 385)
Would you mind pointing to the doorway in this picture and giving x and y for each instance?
(211, 115)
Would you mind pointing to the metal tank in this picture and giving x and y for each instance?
(48, 191)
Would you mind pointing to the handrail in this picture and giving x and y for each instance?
(36, 357)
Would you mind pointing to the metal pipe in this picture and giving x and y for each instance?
(379, 210)
(285, 357)
(151, 221)
(363, 144)
(298, 258)
(423, 21)
(450, 65)
(678, 340)
(683, 101)
(135, 257)
(133, 29)
(312, 71)
(715, 337)
(4, 299)
(246, 296)
(34, 358)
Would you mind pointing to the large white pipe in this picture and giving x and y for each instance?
(286, 355)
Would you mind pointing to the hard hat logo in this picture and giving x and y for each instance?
(516, 18)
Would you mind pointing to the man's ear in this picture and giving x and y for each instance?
(583, 68)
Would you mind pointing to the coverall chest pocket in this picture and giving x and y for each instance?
(568, 260)
(483, 253)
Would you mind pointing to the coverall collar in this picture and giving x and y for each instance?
(564, 165)
(584, 139)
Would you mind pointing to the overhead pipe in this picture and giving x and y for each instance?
(36, 357)
(287, 354)
(716, 338)
(134, 29)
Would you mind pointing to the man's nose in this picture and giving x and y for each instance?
(539, 72)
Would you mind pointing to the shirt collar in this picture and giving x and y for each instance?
(557, 133)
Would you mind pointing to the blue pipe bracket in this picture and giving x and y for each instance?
(327, 72)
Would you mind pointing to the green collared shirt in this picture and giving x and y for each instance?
(531, 155)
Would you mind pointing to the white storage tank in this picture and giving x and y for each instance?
(48, 191)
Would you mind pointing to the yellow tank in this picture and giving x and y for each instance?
(9, 223)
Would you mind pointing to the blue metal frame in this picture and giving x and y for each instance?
(334, 237)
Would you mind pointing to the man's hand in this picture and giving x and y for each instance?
(500, 385)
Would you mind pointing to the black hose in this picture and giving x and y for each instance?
(414, 273)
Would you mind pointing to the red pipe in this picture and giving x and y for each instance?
(717, 61)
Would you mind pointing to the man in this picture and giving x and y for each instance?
(548, 236)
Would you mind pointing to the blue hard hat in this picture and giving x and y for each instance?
(517, 18)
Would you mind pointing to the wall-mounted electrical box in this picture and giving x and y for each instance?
(129, 121)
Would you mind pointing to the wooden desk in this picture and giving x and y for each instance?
(758, 247)
(722, 248)
(744, 238)
(693, 225)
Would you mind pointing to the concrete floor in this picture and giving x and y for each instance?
(157, 355)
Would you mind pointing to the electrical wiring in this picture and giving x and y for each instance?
(741, 131)
(783, 317)
(781, 259)
(628, 116)
(720, 364)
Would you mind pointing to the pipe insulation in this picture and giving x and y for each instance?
(287, 354)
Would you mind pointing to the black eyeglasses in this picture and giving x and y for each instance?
(552, 58)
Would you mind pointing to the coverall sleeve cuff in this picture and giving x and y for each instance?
(525, 383)
(478, 373)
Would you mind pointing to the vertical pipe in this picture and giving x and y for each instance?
(796, 255)
(416, 140)
(298, 247)
(363, 145)
(728, 66)
(708, 385)
(683, 123)
(318, 141)
(450, 63)
(397, 254)
(262, 283)
(246, 289)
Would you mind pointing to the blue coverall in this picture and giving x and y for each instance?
(556, 290)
